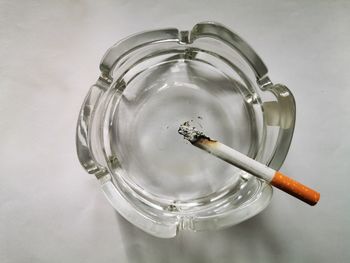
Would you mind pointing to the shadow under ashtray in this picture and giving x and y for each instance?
(245, 242)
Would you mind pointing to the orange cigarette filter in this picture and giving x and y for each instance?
(295, 188)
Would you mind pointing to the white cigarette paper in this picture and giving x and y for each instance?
(236, 158)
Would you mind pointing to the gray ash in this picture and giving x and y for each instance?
(190, 133)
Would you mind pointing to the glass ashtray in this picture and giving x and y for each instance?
(152, 82)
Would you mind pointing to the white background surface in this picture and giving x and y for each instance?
(51, 210)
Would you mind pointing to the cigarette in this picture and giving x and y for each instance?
(229, 155)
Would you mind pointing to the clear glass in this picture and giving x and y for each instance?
(151, 83)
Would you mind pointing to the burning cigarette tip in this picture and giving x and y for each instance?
(190, 133)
